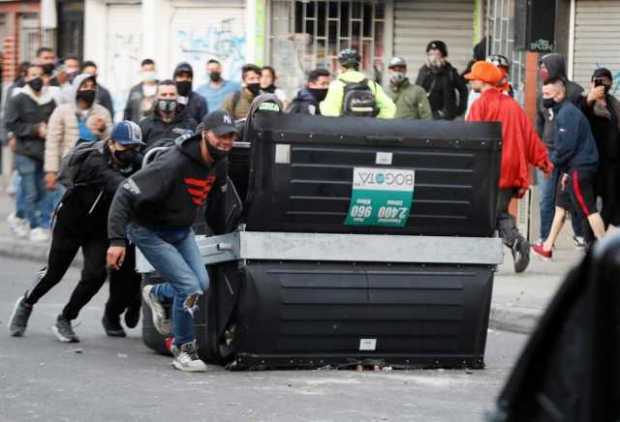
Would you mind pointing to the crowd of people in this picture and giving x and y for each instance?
(72, 164)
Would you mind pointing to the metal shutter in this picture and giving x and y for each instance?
(597, 40)
(416, 22)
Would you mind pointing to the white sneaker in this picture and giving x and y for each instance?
(19, 226)
(39, 235)
(160, 322)
(186, 358)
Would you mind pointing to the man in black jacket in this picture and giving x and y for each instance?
(189, 100)
(26, 117)
(445, 88)
(308, 99)
(91, 173)
(167, 122)
(142, 96)
(156, 208)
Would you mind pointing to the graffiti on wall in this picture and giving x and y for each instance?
(124, 56)
(220, 40)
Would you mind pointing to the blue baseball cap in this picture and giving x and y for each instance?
(127, 133)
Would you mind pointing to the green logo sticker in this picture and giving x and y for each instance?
(381, 197)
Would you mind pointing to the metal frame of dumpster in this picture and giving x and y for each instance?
(292, 286)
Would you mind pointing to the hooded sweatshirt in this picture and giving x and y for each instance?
(167, 193)
(64, 126)
(304, 103)
(556, 68)
(194, 104)
(24, 114)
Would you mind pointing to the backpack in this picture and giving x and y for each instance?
(358, 99)
(71, 163)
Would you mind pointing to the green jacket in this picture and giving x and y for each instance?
(332, 105)
(411, 101)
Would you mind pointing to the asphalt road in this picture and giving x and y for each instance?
(103, 379)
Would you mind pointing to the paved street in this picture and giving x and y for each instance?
(104, 379)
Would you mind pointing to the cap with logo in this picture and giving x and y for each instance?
(127, 133)
(485, 72)
(438, 45)
(220, 122)
(397, 62)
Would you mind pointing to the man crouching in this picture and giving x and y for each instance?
(156, 208)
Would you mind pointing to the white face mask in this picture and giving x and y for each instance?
(149, 76)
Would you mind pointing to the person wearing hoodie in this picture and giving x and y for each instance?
(91, 174)
(26, 117)
(576, 159)
(102, 96)
(353, 87)
(445, 88)
(552, 67)
(308, 99)
(167, 122)
(521, 147)
(155, 209)
(189, 100)
(81, 120)
(410, 99)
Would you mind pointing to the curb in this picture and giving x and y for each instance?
(513, 319)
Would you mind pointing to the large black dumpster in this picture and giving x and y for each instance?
(311, 276)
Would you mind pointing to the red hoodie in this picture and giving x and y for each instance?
(520, 143)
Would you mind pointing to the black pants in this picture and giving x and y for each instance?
(506, 224)
(66, 241)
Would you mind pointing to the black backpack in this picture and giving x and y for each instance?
(358, 99)
(71, 163)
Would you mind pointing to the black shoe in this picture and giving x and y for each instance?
(132, 316)
(521, 255)
(112, 326)
(64, 331)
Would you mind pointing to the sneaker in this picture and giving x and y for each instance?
(19, 226)
(161, 323)
(191, 304)
(63, 330)
(541, 252)
(39, 235)
(521, 255)
(132, 316)
(19, 318)
(186, 358)
(112, 326)
(580, 242)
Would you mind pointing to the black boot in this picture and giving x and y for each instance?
(112, 326)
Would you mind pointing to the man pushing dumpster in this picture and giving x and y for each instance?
(156, 208)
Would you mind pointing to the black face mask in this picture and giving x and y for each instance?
(215, 76)
(126, 157)
(215, 153)
(48, 68)
(319, 94)
(184, 88)
(254, 88)
(548, 102)
(36, 84)
(167, 106)
(87, 96)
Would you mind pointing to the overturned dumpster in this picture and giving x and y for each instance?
(352, 241)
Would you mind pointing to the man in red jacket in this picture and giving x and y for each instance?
(521, 146)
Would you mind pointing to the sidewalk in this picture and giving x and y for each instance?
(518, 299)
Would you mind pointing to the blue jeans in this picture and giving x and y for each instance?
(32, 188)
(547, 205)
(49, 204)
(20, 200)
(175, 255)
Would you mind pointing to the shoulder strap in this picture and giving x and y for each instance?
(235, 101)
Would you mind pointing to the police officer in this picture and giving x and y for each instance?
(91, 173)
(353, 94)
(156, 207)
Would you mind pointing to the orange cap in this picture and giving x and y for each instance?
(485, 72)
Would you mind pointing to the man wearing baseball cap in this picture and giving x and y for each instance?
(410, 99)
(155, 209)
(91, 173)
(521, 146)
